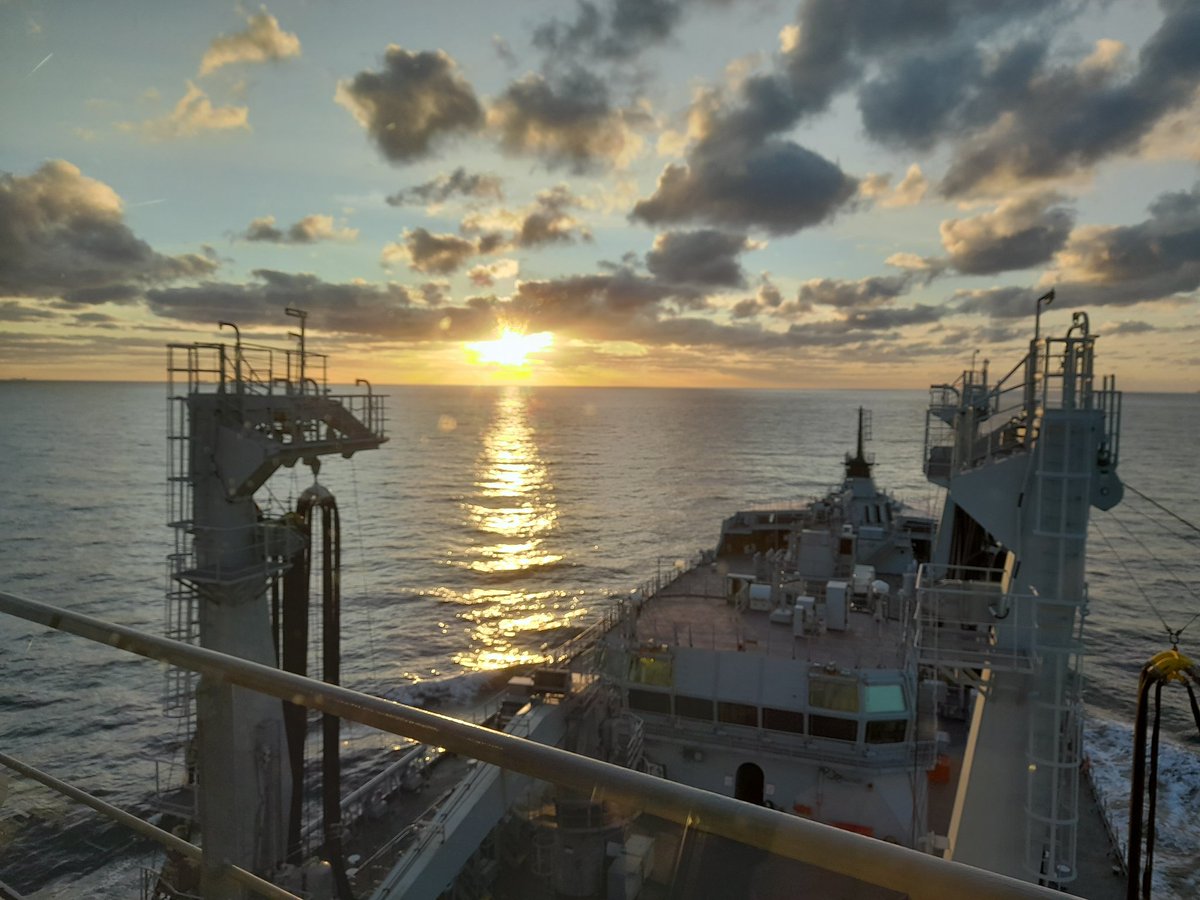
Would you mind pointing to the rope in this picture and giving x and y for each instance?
(1152, 501)
(1166, 568)
(1170, 633)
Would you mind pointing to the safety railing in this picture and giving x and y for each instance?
(877, 862)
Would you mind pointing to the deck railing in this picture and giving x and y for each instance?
(877, 862)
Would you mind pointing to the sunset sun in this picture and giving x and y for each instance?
(510, 349)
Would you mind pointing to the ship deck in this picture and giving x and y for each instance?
(694, 611)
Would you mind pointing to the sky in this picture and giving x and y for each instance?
(710, 193)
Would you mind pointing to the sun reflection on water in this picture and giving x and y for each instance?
(514, 512)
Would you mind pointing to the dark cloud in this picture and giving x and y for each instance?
(742, 170)
(615, 30)
(460, 182)
(63, 235)
(388, 312)
(1128, 327)
(1068, 118)
(776, 185)
(833, 41)
(1018, 234)
(597, 306)
(504, 51)
(1157, 259)
(866, 293)
(547, 220)
(433, 254)
(767, 300)
(308, 230)
(112, 293)
(998, 303)
(622, 305)
(12, 311)
(569, 122)
(706, 257)
(417, 98)
(911, 103)
(95, 320)
(882, 319)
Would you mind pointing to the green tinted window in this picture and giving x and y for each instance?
(881, 698)
(651, 670)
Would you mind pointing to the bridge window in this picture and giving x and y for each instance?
(833, 728)
(651, 670)
(889, 731)
(694, 707)
(737, 714)
(838, 694)
(783, 720)
(650, 701)
(884, 698)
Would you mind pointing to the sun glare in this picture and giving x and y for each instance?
(510, 349)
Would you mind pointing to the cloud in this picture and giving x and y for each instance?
(433, 254)
(999, 302)
(567, 124)
(262, 40)
(413, 102)
(866, 293)
(13, 311)
(487, 275)
(1175, 135)
(504, 51)
(1127, 327)
(600, 306)
(475, 185)
(194, 114)
(909, 192)
(308, 230)
(706, 257)
(546, 220)
(1156, 259)
(1068, 118)
(622, 305)
(62, 235)
(915, 263)
(386, 312)
(616, 30)
(768, 299)
(776, 185)
(1019, 234)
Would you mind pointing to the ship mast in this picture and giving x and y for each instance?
(1023, 461)
(237, 414)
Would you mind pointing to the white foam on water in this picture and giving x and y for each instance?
(1177, 834)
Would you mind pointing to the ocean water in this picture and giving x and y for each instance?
(494, 523)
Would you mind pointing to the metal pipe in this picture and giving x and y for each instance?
(144, 828)
(877, 862)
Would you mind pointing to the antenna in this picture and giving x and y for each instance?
(302, 315)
